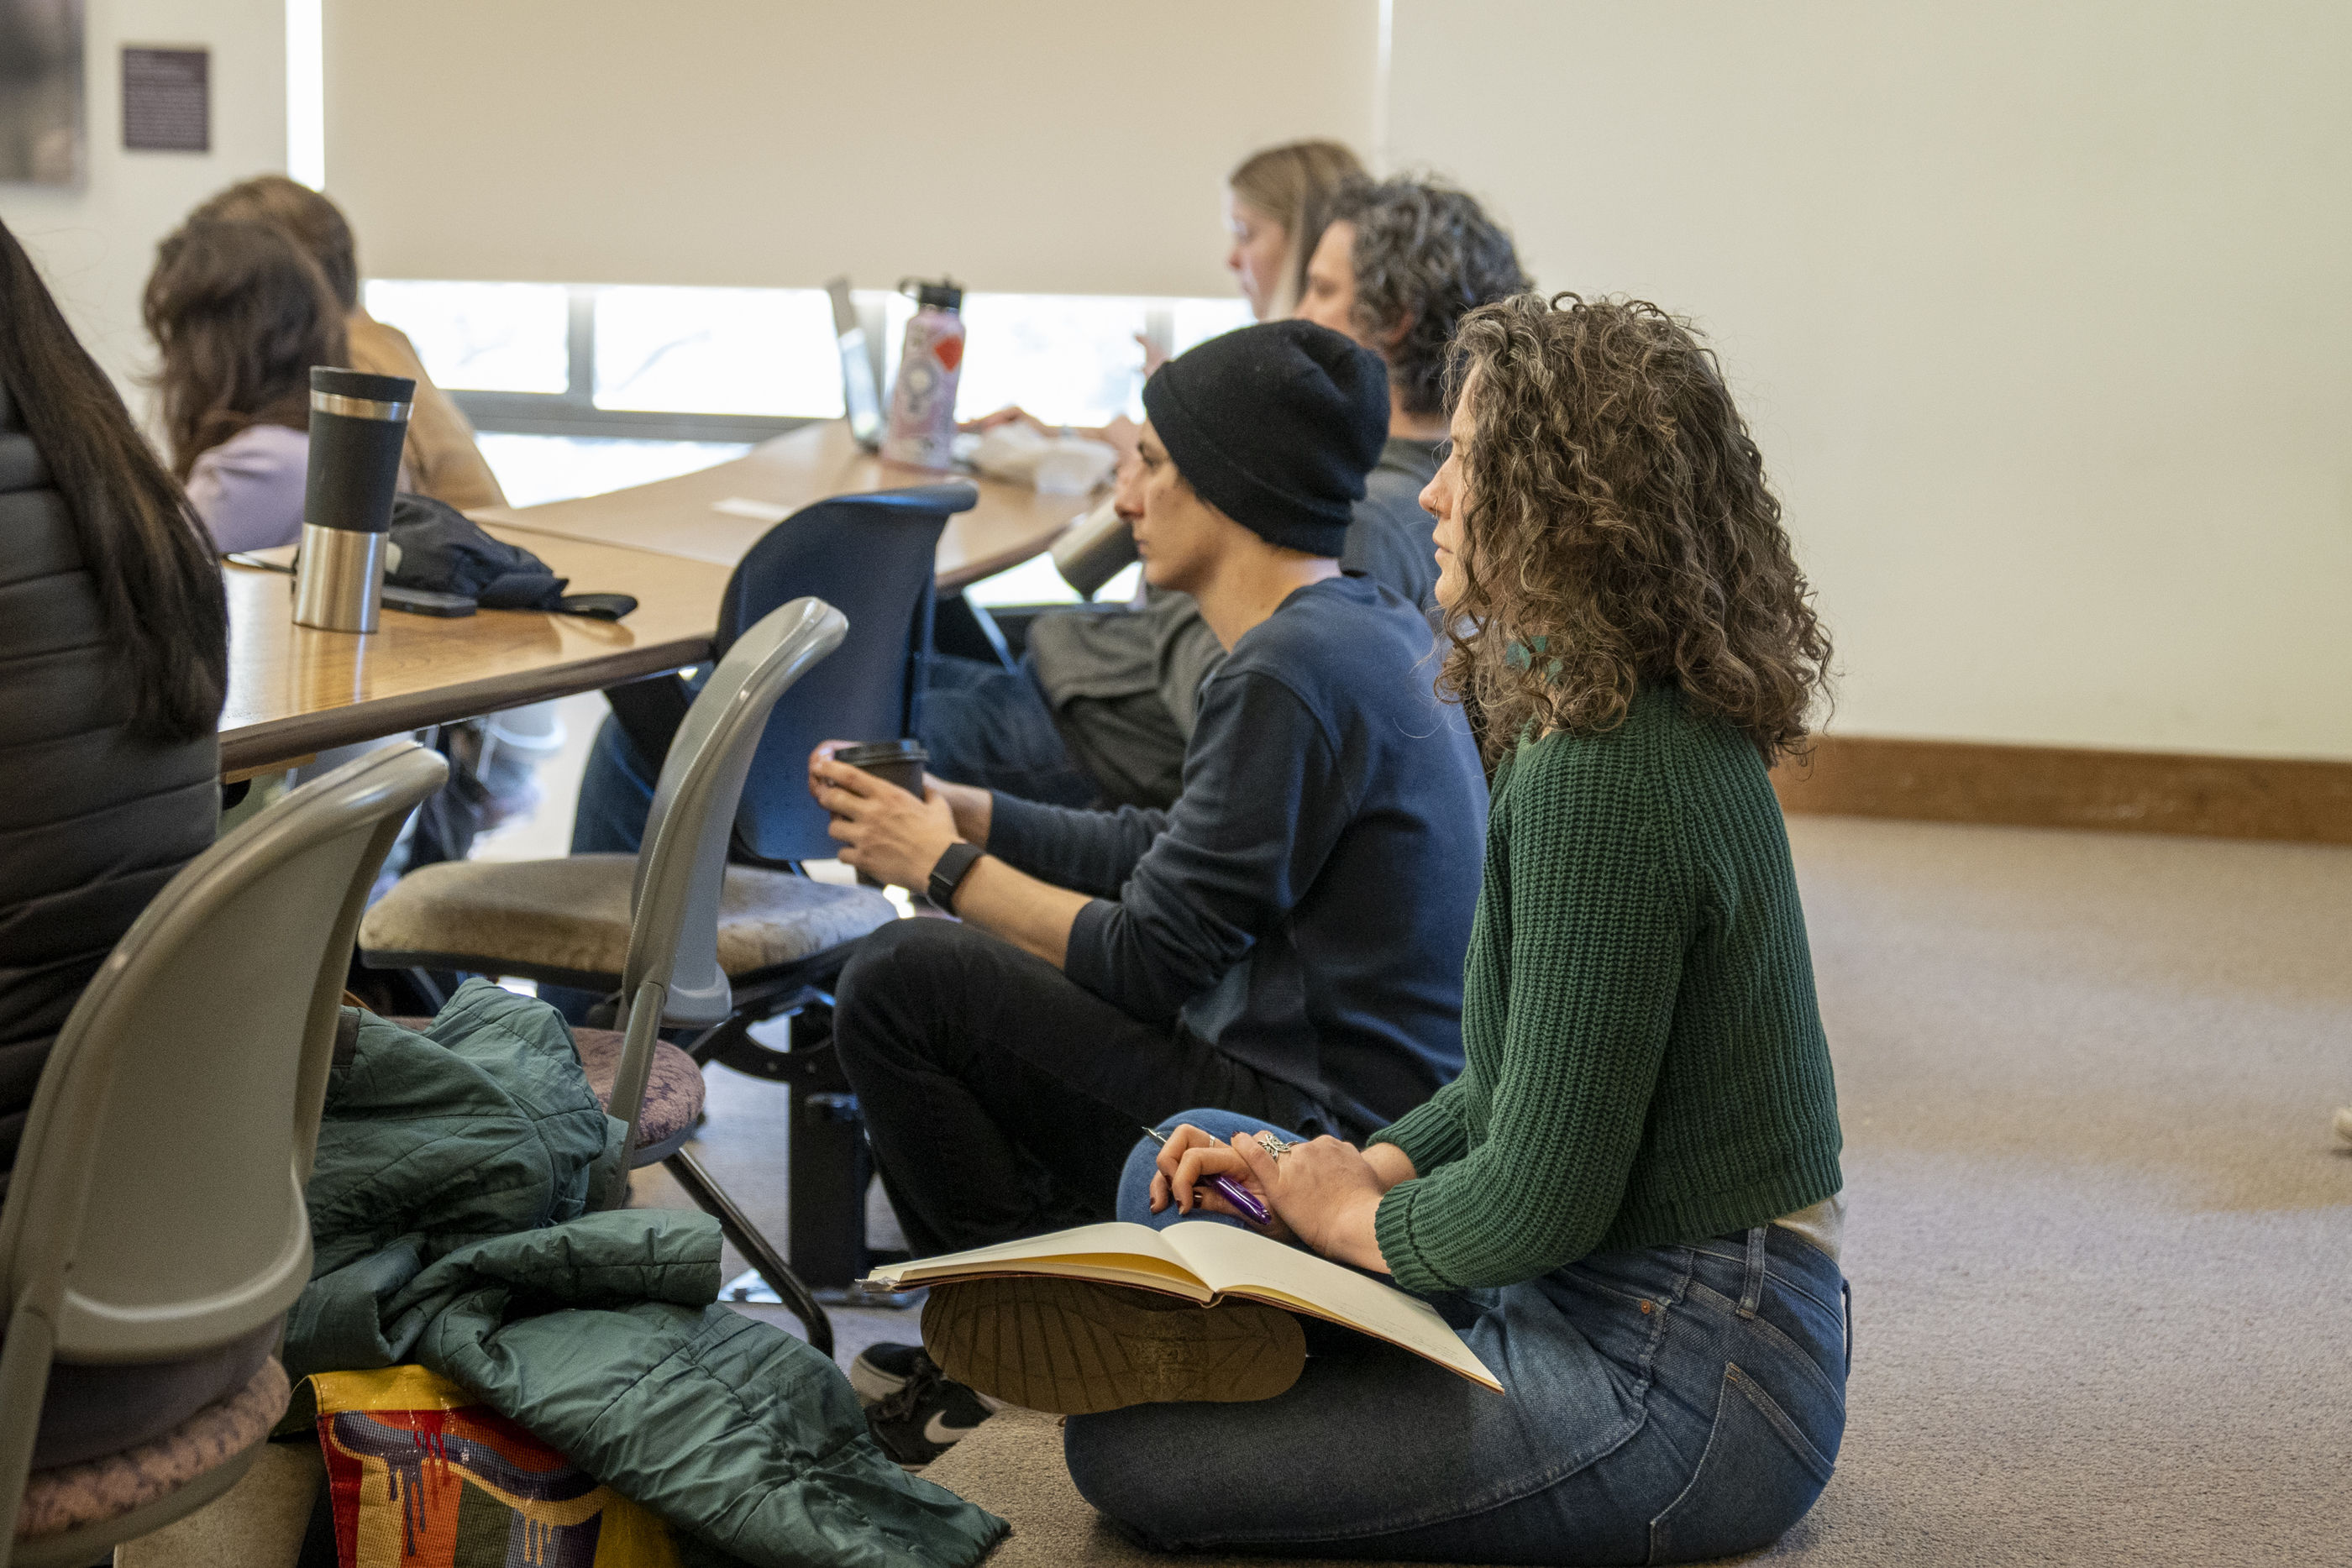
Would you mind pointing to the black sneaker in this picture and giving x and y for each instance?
(881, 1370)
(928, 1416)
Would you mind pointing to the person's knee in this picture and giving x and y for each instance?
(901, 975)
(1219, 1125)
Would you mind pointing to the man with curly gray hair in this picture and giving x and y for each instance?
(1399, 263)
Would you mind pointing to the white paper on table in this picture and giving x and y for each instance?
(758, 511)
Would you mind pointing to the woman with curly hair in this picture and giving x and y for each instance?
(1628, 1202)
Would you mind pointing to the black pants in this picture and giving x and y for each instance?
(1001, 1097)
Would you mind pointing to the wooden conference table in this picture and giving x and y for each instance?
(294, 692)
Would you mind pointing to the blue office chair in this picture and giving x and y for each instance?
(871, 557)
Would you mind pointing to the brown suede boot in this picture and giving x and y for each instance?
(1071, 1347)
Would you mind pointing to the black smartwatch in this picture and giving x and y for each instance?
(948, 874)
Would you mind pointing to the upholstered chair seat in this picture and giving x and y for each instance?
(568, 920)
(77, 1497)
(672, 1099)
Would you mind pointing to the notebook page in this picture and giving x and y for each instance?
(1231, 1259)
(1116, 1252)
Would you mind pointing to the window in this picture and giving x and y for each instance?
(718, 350)
(577, 389)
(740, 364)
(490, 337)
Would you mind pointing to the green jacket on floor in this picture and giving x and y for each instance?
(451, 1216)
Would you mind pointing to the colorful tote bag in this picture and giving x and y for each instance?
(422, 1475)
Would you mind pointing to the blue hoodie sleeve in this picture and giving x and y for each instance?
(1085, 852)
(1263, 806)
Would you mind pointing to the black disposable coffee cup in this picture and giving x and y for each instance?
(899, 761)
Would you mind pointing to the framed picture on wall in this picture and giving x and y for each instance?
(41, 137)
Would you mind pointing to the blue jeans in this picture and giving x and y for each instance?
(988, 726)
(616, 794)
(1664, 1405)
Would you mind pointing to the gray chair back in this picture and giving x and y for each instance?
(672, 973)
(155, 1209)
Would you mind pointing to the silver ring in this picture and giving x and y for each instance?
(1275, 1147)
(358, 407)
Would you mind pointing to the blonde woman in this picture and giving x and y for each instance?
(1274, 210)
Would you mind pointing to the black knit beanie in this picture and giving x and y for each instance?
(1276, 425)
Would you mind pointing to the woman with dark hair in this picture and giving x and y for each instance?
(113, 660)
(1628, 1203)
(241, 313)
(439, 451)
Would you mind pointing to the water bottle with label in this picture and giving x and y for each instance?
(922, 404)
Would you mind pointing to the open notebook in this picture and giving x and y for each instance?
(1206, 1263)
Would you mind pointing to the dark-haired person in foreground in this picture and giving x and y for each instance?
(1628, 1202)
(113, 662)
(1114, 696)
(1289, 937)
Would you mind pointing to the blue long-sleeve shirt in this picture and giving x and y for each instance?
(1306, 903)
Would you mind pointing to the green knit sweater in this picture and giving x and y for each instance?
(1644, 1057)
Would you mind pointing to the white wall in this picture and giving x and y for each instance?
(1052, 146)
(2040, 312)
(95, 245)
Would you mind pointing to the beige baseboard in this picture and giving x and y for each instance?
(2055, 787)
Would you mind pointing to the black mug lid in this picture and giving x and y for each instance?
(946, 294)
(354, 394)
(360, 383)
(868, 753)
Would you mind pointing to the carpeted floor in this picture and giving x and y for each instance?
(2100, 1238)
(2101, 1234)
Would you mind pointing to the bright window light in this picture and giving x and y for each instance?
(534, 469)
(306, 93)
(481, 337)
(1068, 359)
(718, 350)
(771, 352)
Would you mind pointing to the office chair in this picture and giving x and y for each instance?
(156, 1211)
(782, 938)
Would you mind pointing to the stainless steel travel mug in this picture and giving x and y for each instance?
(358, 424)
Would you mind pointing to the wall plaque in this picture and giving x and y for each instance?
(167, 100)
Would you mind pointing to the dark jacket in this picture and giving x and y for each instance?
(93, 819)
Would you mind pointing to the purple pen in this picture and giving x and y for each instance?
(1229, 1189)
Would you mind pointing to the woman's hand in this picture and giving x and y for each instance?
(1186, 1162)
(1326, 1191)
(884, 831)
(1323, 1193)
(1010, 413)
